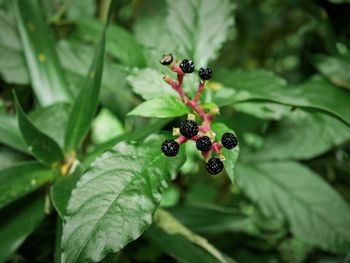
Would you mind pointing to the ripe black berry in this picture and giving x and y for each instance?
(205, 74)
(215, 166)
(229, 140)
(166, 59)
(187, 66)
(170, 148)
(203, 144)
(188, 128)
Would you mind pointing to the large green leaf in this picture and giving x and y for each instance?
(231, 156)
(21, 179)
(149, 84)
(181, 243)
(115, 94)
(39, 144)
(86, 103)
(17, 222)
(302, 135)
(260, 85)
(334, 68)
(10, 157)
(317, 214)
(161, 107)
(52, 120)
(114, 201)
(12, 64)
(10, 134)
(120, 43)
(47, 77)
(199, 27)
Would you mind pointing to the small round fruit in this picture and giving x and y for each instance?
(170, 147)
(229, 140)
(189, 128)
(166, 59)
(215, 166)
(203, 144)
(205, 74)
(187, 66)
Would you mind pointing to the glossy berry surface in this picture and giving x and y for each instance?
(170, 148)
(215, 166)
(229, 140)
(205, 74)
(188, 128)
(203, 144)
(187, 66)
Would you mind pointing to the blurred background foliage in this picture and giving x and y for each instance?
(303, 153)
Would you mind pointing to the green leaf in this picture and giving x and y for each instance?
(39, 144)
(333, 68)
(181, 243)
(10, 157)
(62, 189)
(115, 93)
(114, 201)
(120, 43)
(21, 179)
(215, 220)
(302, 135)
(47, 76)
(86, 103)
(135, 135)
(316, 213)
(200, 27)
(52, 121)
(261, 85)
(10, 134)
(12, 64)
(231, 156)
(149, 84)
(17, 222)
(161, 107)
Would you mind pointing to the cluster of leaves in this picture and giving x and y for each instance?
(80, 179)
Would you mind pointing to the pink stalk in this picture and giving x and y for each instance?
(182, 139)
(199, 91)
(216, 147)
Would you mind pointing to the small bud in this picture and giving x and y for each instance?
(191, 117)
(221, 157)
(214, 111)
(166, 59)
(176, 132)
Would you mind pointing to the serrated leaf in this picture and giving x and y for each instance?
(161, 107)
(317, 214)
(231, 156)
(333, 68)
(302, 135)
(199, 27)
(21, 179)
(149, 84)
(18, 221)
(114, 201)
(120, 43)
(47, 77)
(86, 103)
(44, 148)
(10, 134)
(259, 85)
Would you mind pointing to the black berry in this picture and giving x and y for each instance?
(166, 59)
(215, 166)
(170, 148)
(205, 74)
(203, 144)
(188, 128)
(229, 140)
(187, 66)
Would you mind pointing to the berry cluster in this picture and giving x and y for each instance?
(189, 129)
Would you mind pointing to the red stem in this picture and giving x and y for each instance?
(199, 91)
